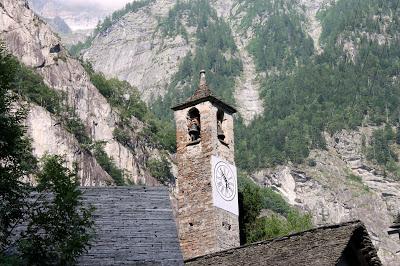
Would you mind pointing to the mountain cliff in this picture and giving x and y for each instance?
(136, 51)
(85, 130)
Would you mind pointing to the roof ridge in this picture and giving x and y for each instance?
(124, 187)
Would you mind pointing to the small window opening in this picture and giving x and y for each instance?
(226, 226)
(220, 120)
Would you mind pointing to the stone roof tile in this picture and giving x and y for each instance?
(134, 226)
(320, 246)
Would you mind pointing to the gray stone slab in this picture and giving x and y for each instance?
(134, 226)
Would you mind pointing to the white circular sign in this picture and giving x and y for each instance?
(225, 181)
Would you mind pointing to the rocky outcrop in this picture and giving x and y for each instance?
(58, 25)
(33, 43)
(50, 138)
(223, 7)
(342, 186)
(134, 49)
(313, 27)
(75, 37)
(247, 86)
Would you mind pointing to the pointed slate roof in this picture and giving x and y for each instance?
(204, 94)
(342, 244)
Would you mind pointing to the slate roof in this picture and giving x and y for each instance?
(134, 226)
(320, 246)
(204, 94)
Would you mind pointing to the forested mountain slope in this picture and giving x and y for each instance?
(328, 103)
(68, 115)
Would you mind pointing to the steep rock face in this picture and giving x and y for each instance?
(342, 186)
(247, 88)
(135, 50)
(58, 25)
(223, 7)
(30, 40)
(313, 27)
(83, 16)
(50, 138)
(248, 84)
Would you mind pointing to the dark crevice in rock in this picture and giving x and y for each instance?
(55, 49)
(42, 65)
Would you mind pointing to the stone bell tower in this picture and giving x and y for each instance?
(207, 180)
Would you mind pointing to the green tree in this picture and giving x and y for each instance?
(16, 160)
(107, 163)
(29, 84)
(57, 229)
(60, 226)
(161, 170)
(306, 93)
(214, 42)
(250, 205)
(380, 150)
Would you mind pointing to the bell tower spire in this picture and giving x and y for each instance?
(207, 180)
(203, 81)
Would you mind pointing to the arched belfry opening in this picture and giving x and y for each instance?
(194, 125)
(220, 120)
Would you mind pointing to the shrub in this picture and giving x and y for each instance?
(276, 226)
(355, 178)
(122, 136)
(312, 163)
(30, 85)
(252, 199)
(108, 164)
(161, 170)
(274, 201)
(74, 125)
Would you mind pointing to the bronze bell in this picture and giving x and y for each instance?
(194, 132)
(193, 129)
(220, 132)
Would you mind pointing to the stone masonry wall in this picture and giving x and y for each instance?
(203, 228)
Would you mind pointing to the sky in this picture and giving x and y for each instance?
(106, 4)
